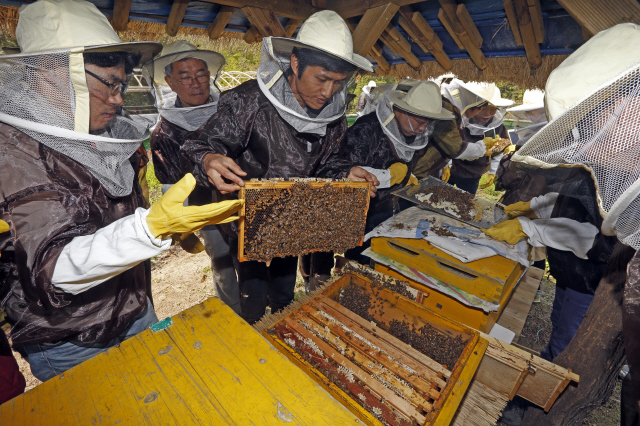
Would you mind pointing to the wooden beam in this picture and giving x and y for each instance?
(449, 27)
(391, 32)
(399, 49)
(531, 46)
(178, 9)
(535, 10)
(252, 35)
(512, 18)
(467, 22)
(291, 27)
(286, 8)
(218, 25)
(265, 21)
(419, 29)
(376, 49)
(320, 4)
(371, 26)
(598, 15)
(351, 8)
(449, 9)
(120, 15)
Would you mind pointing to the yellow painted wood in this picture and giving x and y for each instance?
(486, 278)
(208, 368)
(464, 380)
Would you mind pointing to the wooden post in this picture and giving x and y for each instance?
(417, 27)
(252, 35)
(392, 38)
(265, 22)
(371, 26)
(178, 10)
(469, 40)
(291, 27)
(513, 21)
(535, 10)
(596, 352)
(218, 25)
(531, 47)
(120, 15)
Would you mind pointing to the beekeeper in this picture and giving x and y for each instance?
(75, 271)
(184, 87)
(284, 124)
(592, 137)
(481, 110)
(364, 105)
(518, 185)
(386, 143)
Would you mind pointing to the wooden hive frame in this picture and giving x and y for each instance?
(342, 336)
(282, 184)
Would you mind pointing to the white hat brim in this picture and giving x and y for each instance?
(527, 107)
(287, 44)
(214, 60)
(397, 98)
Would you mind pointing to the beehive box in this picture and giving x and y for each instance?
(489, 279)
(291, 218)
(363, 359)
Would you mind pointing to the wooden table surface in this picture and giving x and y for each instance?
(208, 367)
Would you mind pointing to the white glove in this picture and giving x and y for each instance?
(473, 151)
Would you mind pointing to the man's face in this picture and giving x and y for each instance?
(190, 80)
(317, 84)
(409, 124)
(102, 104)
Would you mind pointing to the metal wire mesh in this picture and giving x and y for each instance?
(438, 196)
(292, 218)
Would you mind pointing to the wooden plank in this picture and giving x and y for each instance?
(393, 32)
(120, 15)
(371, 26)
(515, 313)
(414, 23)
(449, 27)
(531, 46)
(291, 27)
(320, 4)
(178, 10)
(378, 388)
(598, 15)
(351, 8)
(252, 36)
(470, 27)
(218, 25)
(393, 341)
(512, 18)
(286, 8)
(464, 380)
(265, 21)
(376, 49)
(535, 10)
(415, 36)
(397, 43)
(501, 371)
(450, 7)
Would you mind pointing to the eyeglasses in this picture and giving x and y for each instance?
(114, 88)
(188, 81)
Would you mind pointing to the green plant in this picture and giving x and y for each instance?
(155, 187)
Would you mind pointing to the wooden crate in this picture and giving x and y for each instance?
(489, 279)
(271, 186)
(452, 383)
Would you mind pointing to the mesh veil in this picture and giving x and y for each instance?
(386, 117)
(39, 99)
(600, 137)
(188, 118)
(273, 83)
(463, 99)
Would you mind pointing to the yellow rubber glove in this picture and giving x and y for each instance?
(509, 231)
(398, 172)
(446, 174)
(491, 179)
(413, 180)
(511, 148)
(4, 226)
(521, 208)
(169, 216)
(189, 242)
(489, 143)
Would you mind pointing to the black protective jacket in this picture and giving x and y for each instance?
(48, 199)
(248, 129)
(475, 168)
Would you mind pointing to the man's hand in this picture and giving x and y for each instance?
(358, 173)
(218, 167)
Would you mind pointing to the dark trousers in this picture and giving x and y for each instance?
(261, 285)
(467, 184)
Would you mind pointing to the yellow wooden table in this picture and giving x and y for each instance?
(208, 367)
